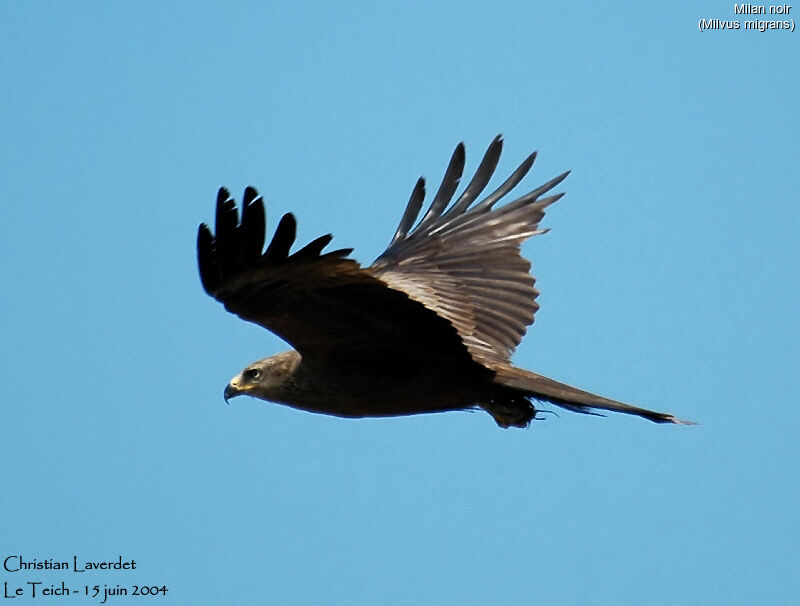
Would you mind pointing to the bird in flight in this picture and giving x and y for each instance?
(430, 326)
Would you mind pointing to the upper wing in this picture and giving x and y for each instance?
(464, 262)
(325, 305)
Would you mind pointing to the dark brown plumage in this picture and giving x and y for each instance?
(430, 326)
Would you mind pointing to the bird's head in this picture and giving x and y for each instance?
(266, 379)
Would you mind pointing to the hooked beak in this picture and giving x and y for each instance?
(231, 392)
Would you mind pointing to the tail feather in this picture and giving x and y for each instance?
(571, 398)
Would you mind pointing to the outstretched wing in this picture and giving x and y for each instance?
(325, 305)
(464, 262)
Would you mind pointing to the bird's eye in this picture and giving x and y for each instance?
(252, 374)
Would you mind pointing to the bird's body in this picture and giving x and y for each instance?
(365, 390)
(429, 327)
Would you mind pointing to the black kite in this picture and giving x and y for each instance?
(430, 326)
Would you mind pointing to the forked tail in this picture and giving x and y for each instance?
(527, 384)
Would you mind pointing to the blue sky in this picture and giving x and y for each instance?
(669, 280)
